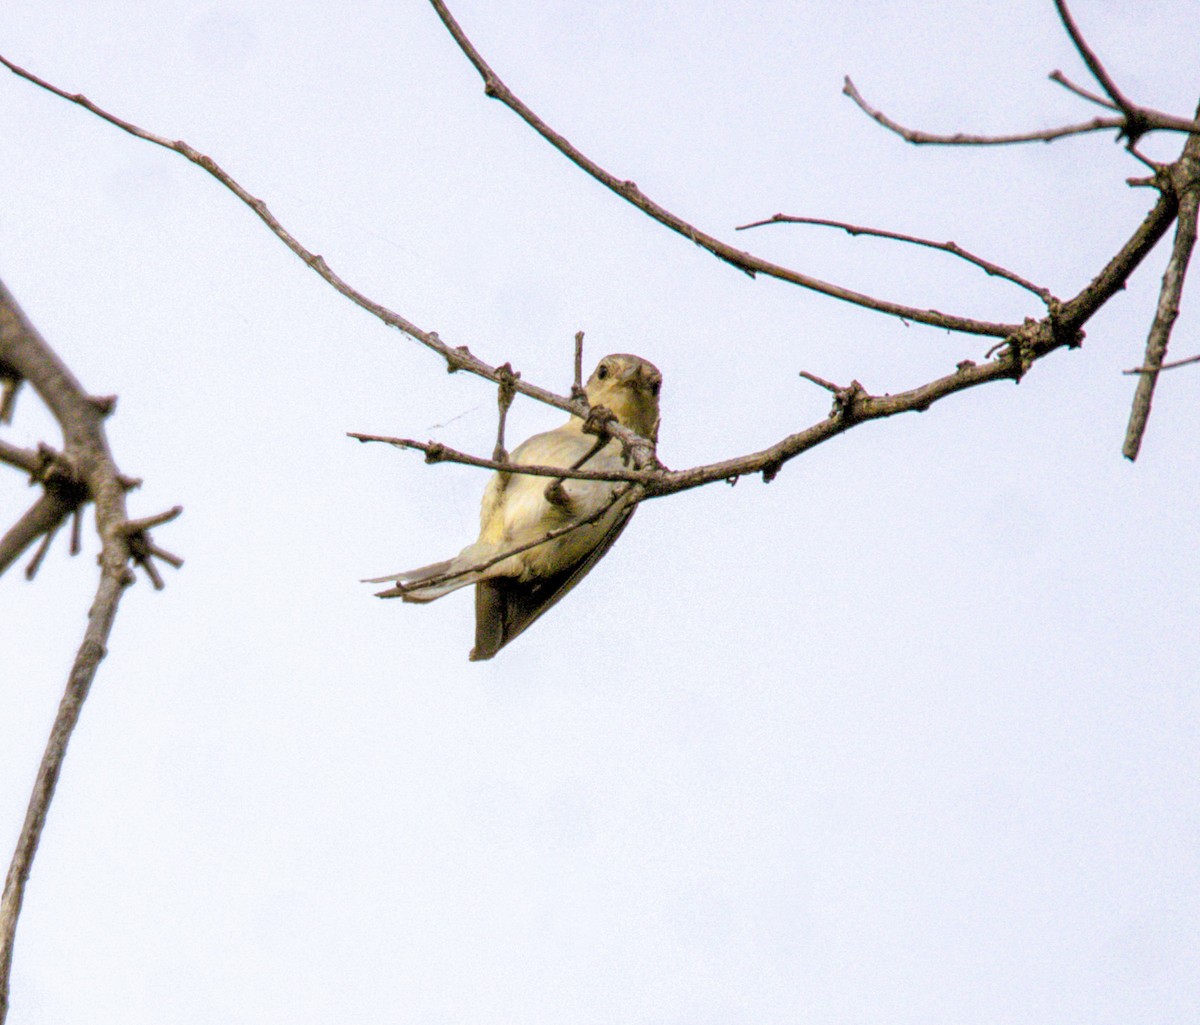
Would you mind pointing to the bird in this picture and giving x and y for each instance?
(513, 590)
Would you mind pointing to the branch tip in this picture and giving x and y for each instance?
(820, 382)
(40, 554)
(104, 404)
(9, 386)
(139, 526)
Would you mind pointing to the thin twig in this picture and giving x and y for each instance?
(436, 452)
(76, 531)
(145, 523)
(820, 382)
(43, 547)
(1078, 90)
(577, 391)
(920, 138)
(1166, 366)
(747, 262)
(1132, 124)
(1153, 165)
(995, 270)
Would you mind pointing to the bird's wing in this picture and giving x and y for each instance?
(504, 606)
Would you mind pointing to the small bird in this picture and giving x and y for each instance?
(518, 509)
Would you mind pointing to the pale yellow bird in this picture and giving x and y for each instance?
(518, 509)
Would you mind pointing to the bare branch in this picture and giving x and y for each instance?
(113, 580)
(852, 406)
(85, 470)
(919, 138)
(747, 262)
(1187, 172)
(995, 270)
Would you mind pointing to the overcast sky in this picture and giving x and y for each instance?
(908, 736)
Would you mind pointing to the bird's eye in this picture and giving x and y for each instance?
(602, 372)
(655, 387)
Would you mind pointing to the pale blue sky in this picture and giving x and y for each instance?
(908, 736)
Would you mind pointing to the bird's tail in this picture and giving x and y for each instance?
(429, 582)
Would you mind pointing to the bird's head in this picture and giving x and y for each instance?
(628, 386)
